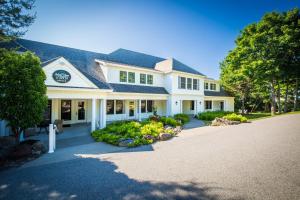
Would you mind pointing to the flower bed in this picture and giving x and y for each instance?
(133, 133)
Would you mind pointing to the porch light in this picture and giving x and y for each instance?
(200, 102)
(176, 103)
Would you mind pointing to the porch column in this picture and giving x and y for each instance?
(93, 123)
(103, 113)
(140, 109)
(195, 107)
(212, 105)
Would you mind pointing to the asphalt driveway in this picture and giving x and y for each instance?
(259, 160)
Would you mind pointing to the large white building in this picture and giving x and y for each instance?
(97, 88)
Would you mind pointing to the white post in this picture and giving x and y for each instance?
(103, 113)
(93, 124)
(140, 110)
(195, 107)
(51, 138)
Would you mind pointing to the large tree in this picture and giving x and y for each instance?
(15, 18)
(22, 90)
(266, 55)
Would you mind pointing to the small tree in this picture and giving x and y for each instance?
(22, 90)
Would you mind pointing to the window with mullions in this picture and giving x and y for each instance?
(149, 106)
(142, 78)
(206, 86)
(182, 82)
(208, 104)
(143, 106)
(123, 76)
(131, 77)
(212, 86)
(149, 79)
(195, 84)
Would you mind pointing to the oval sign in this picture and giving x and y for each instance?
(61, 76)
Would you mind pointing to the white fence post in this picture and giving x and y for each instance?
(51, 138)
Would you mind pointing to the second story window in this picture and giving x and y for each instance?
(189, 84)
(142, 78)
(131, 77)
(212, 86)
(195, 84)
(182, 82)
(123, 76)
(206, 86)
(149, 79)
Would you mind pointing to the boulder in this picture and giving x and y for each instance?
(126, 142)
(149, 137)
(177, 129)
(38, 148)
(223, 122)
(167, 127)
(165, 136)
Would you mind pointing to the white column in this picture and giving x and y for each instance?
(168, 106)
(195, 107)
(212, 105)
(140, 109)
(93, 123)
(103, 113)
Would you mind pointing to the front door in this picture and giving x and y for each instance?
(222, 105)
(131, 109)
(81, 111)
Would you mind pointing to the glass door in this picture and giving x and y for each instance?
(222, 105)
(131, 109)
(66, 107)
(81, 110)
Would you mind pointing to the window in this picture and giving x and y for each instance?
(182, 81)
(149, 105)
(207, 104)
(206, 86)
(131, 77)
(189, 83)
(192, 105)
(123, 76)
(110, 107)
(212, 86)
(149, 79)
(119, 107)
(195, 84)
(142, 78)
(143, 106)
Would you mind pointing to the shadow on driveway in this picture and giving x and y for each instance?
(89, 178)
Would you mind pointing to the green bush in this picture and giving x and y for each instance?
(184, 118)
(235, 117)
(169, 121)
(118, 131)
(211, 115)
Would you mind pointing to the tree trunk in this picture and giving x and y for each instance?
(243, 105)
(16, 132)
(286, 95)
(278, 99)
(296, 94)
(273, 102)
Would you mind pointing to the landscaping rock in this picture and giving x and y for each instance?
(168, 127)
(38, 148)
(223, 122)
(126, 143)
(165, 136)
(177, 129)
(149, 137)
(22, 150)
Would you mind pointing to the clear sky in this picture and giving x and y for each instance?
(198, 33)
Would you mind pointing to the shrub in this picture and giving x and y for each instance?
(153, 128)
(184, 118)
(211, 115)
(169, 121)
(235, 117)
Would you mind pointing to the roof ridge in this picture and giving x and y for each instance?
(146, 54)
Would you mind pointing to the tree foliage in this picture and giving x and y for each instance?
(265, 59)
(22, 90)
(15, 18)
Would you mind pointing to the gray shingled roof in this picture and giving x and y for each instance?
(221, 93)
(82, 60)
(137, 89)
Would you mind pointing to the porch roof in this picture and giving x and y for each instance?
(221, 93)
(137, 89)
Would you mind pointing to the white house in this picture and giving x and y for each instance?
(97, 88)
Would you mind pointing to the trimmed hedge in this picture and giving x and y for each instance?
(184, 118)
(211, 115)
(235, 117)
(169, 121)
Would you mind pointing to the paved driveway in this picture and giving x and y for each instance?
(259, 160)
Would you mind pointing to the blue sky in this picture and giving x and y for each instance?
(198, 33)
